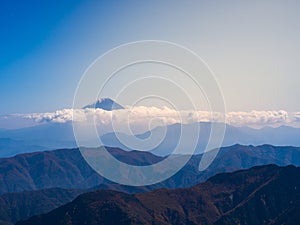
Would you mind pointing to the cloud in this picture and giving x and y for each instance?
(147, 117)
(60, 116)
(137, 118)
(296, 116)
(258, 118)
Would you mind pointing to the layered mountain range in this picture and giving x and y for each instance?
(66, 168)
(60, 187)
(35, 183)
(54, 136)
(261, 195)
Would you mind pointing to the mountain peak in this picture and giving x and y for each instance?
(105, 104)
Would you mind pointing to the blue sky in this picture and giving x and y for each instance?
(252, 46)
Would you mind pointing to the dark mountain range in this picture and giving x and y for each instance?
(20, 206)
(261, 195)
(23, 205)
(64, 168)
(104, 103)
(67, 169)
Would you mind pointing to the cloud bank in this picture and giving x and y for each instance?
(296, 117)
(144, 118)
(258, 118)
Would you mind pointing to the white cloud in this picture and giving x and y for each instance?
(296, 116)
(143, 118)
(258, 118)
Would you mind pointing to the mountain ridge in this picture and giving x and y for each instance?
(280, 136)
(66, 168)
(55, 136)
(73, 175)
(207, 203)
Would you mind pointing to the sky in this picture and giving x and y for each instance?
(253, 47)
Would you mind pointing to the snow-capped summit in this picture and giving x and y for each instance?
(105, 104)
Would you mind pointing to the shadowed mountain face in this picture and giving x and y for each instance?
(64, 168)
(67, 169)
(23, 205)
(18, 206)
(105, 104)
(261, 195)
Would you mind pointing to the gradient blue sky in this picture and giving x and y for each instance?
(252, 46)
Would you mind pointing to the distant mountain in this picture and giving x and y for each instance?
(104, 103)
(54, 136)
(261, 195)
(280, 136)
(44, 136)
(67, 169)
(10, 147)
